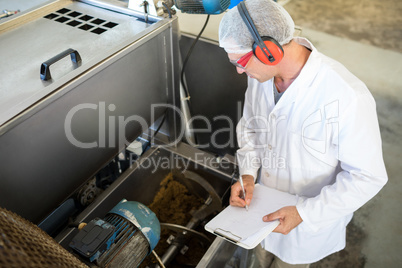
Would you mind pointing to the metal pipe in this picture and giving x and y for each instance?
(172, 251)
(8, 13)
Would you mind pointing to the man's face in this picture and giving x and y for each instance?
(252, 67)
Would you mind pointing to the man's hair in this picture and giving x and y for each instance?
(270, 19)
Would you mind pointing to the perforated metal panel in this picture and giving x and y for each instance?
(81, 21)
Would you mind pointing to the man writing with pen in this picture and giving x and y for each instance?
(310, 112)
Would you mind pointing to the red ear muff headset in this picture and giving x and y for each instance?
(265, 48)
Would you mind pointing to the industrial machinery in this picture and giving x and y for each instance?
(83, 80)
(81, 83)
(128, 233)
(54, 109)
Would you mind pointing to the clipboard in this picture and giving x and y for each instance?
(246, 228)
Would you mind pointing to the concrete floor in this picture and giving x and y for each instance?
(371, 22)
(366, 36)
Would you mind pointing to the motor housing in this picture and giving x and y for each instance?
(127, 234)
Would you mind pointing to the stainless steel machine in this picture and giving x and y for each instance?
(61, 120)
(80, 81)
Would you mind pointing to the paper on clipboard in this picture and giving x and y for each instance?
(246, 228)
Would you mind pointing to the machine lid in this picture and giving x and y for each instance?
(94, 33)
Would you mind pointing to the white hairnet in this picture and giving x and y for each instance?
(270, 19)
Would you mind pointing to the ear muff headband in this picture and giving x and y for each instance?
(254, 33)
(262, 46)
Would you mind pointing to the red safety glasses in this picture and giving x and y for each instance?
(242, 62)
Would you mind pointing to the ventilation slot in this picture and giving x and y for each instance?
(81, 21)
(97, 21)
(74, 14)
(99, 30)
(74, 23)
(86, 27)
(62, 19)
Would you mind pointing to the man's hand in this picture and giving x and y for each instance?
(236, 195)
(288, 217)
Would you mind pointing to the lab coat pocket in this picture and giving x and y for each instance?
(310, 164)
(315, 139)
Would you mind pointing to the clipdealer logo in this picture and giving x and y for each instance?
(317, 130)
(111, 128)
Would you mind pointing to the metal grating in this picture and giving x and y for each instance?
(81, 21)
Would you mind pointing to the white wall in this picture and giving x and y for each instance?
(192, 24)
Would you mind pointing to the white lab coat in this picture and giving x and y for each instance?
(321, 142)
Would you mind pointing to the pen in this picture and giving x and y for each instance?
(244, 192)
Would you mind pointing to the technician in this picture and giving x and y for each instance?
(309, 128)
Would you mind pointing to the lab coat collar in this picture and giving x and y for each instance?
(297, 90)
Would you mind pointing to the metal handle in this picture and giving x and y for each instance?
(44, 68)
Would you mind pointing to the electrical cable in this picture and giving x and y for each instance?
(186, 91)
(168, 9)
(158, 259)
(188, 56)
(156, 132)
